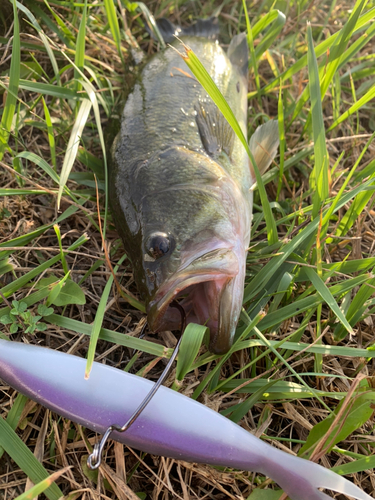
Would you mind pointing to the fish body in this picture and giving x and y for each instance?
(171, 425)
(180, 189)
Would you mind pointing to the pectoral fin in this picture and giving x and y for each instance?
(263, 144)
(216, 133)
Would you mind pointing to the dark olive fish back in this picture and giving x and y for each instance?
(179, 178)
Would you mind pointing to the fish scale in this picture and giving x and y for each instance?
(178, 171)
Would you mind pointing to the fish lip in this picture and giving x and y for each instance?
(220, 264)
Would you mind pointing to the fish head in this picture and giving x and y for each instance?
(195, 223)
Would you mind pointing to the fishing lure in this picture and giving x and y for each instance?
(171, 425)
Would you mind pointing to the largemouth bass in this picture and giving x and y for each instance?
(180, 186)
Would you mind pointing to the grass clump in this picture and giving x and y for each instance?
(299, 373)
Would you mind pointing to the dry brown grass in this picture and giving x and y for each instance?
(59, 443)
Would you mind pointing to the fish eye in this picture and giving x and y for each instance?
(158, 245)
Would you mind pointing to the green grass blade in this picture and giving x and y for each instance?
(190, 344)
(51, 136)
(355, 210)
(15, 413)
(357, 307)
(42, 486)
(354, 416)
(14, 77)
(274, 389)
(62, 255)
(326, 295)
(242, 409)
(20, 192)
(249, 327)
(290, 368)
(209, 85)
(321, 49)
(285, 282)
(151, 22)
(354, 108)
(6, 266)
(348, 221)
(355, 47)
(73, 145)
(24, 458)
(363, 464)
(304, 304)
(110, 10)
(92, 96)
(280, 108)
(99, 317)
(60, 28)
(43, 37)
(319, 179)
(111, 336)
(49, 89)
(340, 45)
(11, 288)
(347, 267)
(336, 53)
(250, 42)
(263, 493)
(49, 171)
(272, 33)
(266, 273)
(79, 58)
(339, 351)
(265, 22)
(41, 163)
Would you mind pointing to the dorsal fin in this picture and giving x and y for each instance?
(264, 143)
(238, 53)
(206, 28)
(216, 133)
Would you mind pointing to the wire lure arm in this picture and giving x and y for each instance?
(95, 459)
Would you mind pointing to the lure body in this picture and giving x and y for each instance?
(172, 425)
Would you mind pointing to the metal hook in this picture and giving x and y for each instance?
(94, 460)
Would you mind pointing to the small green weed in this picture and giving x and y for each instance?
(21, 317)
(306, 329)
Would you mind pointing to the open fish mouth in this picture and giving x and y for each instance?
(208, 291)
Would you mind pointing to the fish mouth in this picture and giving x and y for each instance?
(207, 289)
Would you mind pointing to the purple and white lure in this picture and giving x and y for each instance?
(172, 425)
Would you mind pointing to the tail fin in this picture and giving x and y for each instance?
(206, 28)
(264, 143)
(300, 478)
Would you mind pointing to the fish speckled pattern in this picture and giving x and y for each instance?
(180, 189)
